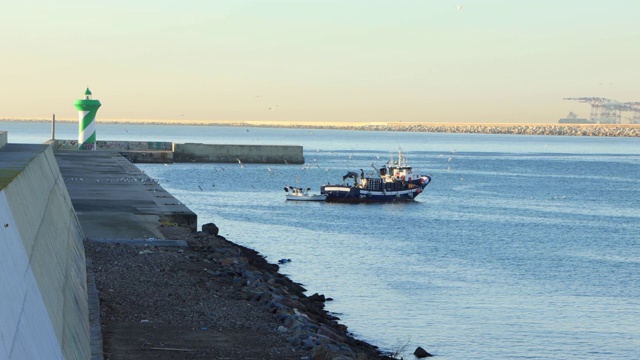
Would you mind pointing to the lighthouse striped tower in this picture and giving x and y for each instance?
(87, 109)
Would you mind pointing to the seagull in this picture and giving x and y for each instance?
(241, 164)
(459, 7)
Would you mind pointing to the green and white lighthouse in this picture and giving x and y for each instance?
(87, 109)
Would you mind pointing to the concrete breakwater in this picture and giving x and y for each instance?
(114, 199)
(45, 213)
(257, 154)
(51, 200)
(168, 152)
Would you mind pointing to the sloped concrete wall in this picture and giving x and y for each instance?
(3, 138)
(43, 291)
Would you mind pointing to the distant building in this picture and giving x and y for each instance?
(572, 118)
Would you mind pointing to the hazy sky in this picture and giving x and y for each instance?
(328, 60)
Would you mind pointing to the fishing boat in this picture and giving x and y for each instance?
(394, 182)
(302, 194)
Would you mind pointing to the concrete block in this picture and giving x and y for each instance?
(221, 153)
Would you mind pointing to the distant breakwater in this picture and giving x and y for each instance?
(564, 130)
(608, 130)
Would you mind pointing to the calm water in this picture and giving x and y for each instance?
(521, 247)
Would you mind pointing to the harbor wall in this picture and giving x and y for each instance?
(3, 138)
(106, 145)
(260, 154)
(43, 291)
(167, 152)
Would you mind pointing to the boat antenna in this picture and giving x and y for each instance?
(376, 169)
(402, 160)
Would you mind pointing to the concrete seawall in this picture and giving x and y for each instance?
(48, 204)
(43, 291)
(259, 154)
(167, 152)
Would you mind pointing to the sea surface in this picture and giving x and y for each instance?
(522, 247)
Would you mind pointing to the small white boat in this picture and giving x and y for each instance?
(302, 194)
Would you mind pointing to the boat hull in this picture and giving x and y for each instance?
(351, 194)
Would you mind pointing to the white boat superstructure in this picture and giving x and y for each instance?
(302, 194)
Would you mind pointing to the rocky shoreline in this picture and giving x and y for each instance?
(212, 299)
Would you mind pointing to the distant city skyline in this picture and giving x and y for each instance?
(319, 60)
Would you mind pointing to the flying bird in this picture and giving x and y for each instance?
(459, 7)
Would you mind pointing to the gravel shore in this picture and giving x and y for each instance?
(212, 299)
